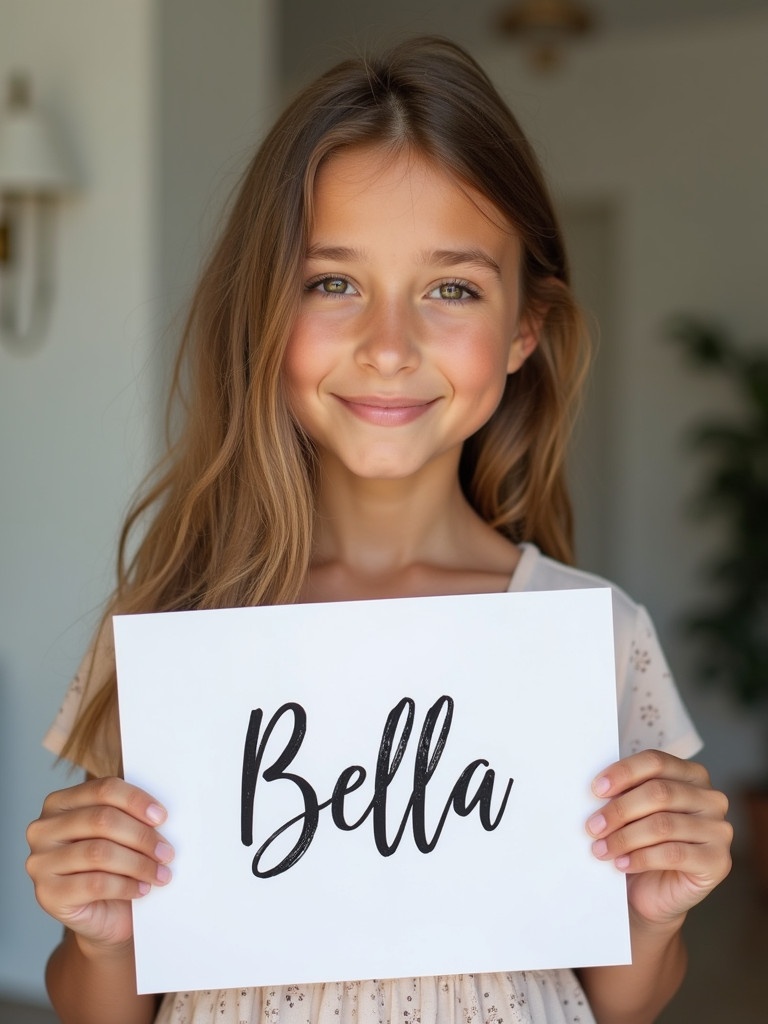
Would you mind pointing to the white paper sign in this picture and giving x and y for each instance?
(435, 757)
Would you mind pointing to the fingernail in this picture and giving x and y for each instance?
(144, 888)
(601, 785)
(622, 863)
(163, 874)
(596, 824)
(164, 852)
(600, 848)
(156, 814)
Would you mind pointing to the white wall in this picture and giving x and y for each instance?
(217, 95)
(153, 98)
(669, 131)
(73, 424)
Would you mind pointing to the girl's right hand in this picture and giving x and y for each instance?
(95, 848)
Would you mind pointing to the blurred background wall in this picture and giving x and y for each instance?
(159, 102)
(653, 132)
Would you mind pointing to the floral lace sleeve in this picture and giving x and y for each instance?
(651, 711)
(98, 661)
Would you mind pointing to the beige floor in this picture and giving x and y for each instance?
(726, 982)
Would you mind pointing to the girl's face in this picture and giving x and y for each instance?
(410, 317)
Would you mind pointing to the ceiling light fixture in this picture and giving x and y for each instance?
(544, 26)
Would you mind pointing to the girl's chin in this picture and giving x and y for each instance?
(390, 467)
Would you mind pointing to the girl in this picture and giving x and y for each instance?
(379, 371)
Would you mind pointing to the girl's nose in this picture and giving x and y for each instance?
(389, 341)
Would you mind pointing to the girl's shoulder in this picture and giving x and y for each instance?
(536, 572)
(651, 711)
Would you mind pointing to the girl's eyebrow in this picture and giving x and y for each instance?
(336, 252)
(438, 257)
(453, 257)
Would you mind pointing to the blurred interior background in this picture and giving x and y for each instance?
(651, 126)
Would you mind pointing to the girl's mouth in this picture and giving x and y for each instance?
(386, 411)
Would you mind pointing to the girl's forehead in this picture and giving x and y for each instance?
(362, 176)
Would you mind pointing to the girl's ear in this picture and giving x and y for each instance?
(526, 340)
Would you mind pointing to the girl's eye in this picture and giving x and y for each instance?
(331, 286)
(453, 291)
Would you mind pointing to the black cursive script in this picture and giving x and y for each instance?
(394, 740)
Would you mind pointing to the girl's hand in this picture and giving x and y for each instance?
(664, 826)
(94, 848)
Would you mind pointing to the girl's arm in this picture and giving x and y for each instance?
(663, 826)
(92, 984)
(94, 848)
(636, 994)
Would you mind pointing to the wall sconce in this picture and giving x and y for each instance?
(33, 176)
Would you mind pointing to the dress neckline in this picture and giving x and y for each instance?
(529, 556)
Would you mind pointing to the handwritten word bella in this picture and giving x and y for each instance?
(463, 799)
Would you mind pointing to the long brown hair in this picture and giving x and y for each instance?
(227, 518)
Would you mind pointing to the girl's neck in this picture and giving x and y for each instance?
(402, 538)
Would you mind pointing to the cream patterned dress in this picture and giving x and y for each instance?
(651, 714)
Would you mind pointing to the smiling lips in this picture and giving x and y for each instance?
(386, 412)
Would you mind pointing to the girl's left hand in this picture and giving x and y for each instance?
(664, 826)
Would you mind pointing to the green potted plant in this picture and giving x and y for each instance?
(730, 625)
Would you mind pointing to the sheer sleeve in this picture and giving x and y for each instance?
(651, 711)
(98, 663)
